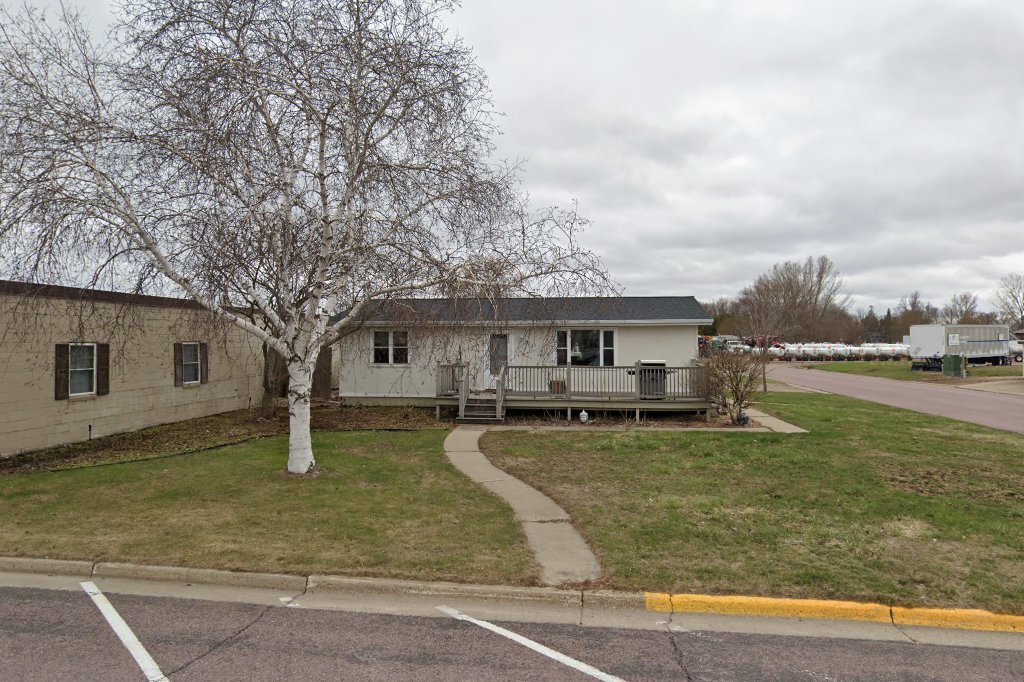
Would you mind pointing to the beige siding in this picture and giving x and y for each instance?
(675, 344)
(355, 376)
(142, 391)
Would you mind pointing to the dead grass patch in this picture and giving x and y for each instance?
(994, 485)
(193, 435)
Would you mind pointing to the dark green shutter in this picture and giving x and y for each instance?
(61, 371)
(102, 368)
(204, 363)
(179, 367)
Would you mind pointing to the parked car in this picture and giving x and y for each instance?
(736, 346)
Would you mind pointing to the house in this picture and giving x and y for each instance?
(486, 357)
(79, 363)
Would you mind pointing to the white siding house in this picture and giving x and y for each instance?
(570, 352)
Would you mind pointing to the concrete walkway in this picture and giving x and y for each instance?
(1011, 386)
(773, 423)
(562, 553)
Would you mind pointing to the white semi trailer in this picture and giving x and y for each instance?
(976, 343)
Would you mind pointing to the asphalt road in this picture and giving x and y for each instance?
(997, 410)
(56, 635)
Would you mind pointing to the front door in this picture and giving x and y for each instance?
(497, 357)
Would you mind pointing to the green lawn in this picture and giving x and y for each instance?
(901, 370)
(874, 504)
(385, 504)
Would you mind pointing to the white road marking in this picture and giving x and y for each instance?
(530, 644)
(149, 667)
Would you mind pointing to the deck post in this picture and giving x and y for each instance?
(636, 387)
(638, 415)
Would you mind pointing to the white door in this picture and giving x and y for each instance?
(497, 357)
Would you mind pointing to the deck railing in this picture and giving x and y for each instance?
(448, 378)
(637, 382)
(561, 383)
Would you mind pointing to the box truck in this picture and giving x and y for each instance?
(976, 344)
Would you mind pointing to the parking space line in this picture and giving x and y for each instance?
(149, 667)
(530, 644)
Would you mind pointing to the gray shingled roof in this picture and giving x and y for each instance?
(625, 308)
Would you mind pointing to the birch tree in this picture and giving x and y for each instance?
(305, 159)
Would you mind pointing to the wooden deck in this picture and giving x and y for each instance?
(626, 388)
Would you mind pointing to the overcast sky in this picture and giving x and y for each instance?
(709, 139)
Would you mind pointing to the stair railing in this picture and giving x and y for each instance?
(463, 393)
(499, 394)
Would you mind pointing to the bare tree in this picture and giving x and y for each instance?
(962, 308)
(798, 300)
(1010, 300)
(733, 378)
(913, 309)
(306, 159)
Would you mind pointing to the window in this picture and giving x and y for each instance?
(562, 348)
(391, 348)
(190, 363)
(608, 348)
(81, 369)
(585, 347)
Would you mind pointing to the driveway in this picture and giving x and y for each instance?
(996, 410)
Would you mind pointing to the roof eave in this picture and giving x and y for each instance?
(547, 323)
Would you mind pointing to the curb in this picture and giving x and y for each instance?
(345, 584)
(959, 619)
(47, 566)
(204, 576)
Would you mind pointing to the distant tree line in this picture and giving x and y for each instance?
(807, 301)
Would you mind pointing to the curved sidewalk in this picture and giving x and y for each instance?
(562, 553)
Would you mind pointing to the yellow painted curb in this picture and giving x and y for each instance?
(784, 608)
(964, 619)
(657, 601)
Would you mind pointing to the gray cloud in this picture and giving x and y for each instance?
(709, 140)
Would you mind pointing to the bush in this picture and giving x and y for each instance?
(733, 378)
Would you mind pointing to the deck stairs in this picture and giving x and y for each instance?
(481, 409)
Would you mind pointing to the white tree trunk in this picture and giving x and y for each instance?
(300, 446)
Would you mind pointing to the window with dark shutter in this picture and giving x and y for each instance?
(81, 369)
(190, 363)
